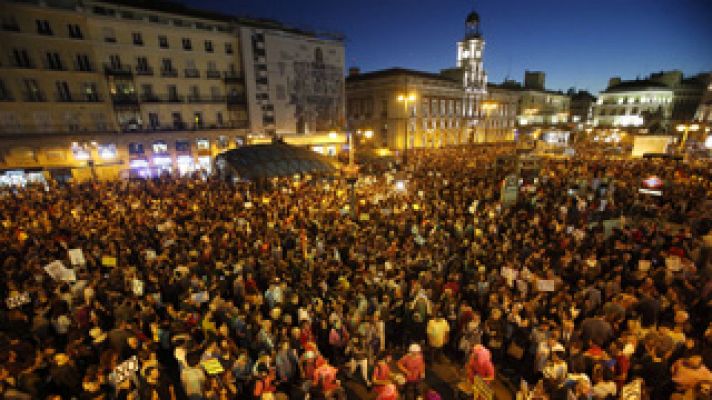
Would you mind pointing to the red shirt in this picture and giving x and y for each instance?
(414, 366)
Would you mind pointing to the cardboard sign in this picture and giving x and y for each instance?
(108, 261)
(76, 257)
(18, 300)
(124, 370)
(545, 285)
(212, 366)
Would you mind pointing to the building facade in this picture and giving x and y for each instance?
(655, 103)
(296, 84)
(114, 88)
(406, 108)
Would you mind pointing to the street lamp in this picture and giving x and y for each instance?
(405, 99)
(685, 129)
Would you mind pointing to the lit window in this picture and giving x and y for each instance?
(107, 151)
(160, 147)
(202, 144)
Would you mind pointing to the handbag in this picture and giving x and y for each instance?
(515, 351)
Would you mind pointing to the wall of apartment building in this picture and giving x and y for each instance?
(182, 70)
(545, 108)
(295, 82)
(434, 119)
(628, 108)
(49, 80)
(499, 121)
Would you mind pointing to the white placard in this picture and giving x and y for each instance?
(54, 269)
(545, 285)
(76, 257)
(248, 204)
(150, 254)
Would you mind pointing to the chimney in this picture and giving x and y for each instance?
(354, 71)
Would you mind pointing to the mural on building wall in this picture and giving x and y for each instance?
(316, 93)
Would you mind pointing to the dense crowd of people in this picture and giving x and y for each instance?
(205, 289)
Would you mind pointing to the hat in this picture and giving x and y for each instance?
(97, 335)
(414, 348)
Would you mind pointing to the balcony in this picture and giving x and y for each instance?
(77, 98)
(169, 73)
(146, 71)
(150, 98)
(232, 76)
(236, 101)
(125, 100)
(117, 70)
(175, 99)
(192, 73)
(206, 99)
(212, 74)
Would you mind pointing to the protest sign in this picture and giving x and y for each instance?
(124, 370)
(54, 269)
(108, 261)
(212, 366)
(545, 285)
(76, 257)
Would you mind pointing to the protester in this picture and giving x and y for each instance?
(214, 287)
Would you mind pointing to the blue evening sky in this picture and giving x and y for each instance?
(577, 43)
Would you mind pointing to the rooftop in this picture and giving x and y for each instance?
(638, 84)
(397, 71)
(175, 7)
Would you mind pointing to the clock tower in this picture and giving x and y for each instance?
(474, 79)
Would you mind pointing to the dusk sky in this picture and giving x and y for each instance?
(579, 43)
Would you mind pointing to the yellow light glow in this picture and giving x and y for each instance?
(333, 135)
(368, 134)
(401, 97)
(694, 127)
(411, 98)
(681, 128)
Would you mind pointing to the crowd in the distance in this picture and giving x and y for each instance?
(224, 290)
